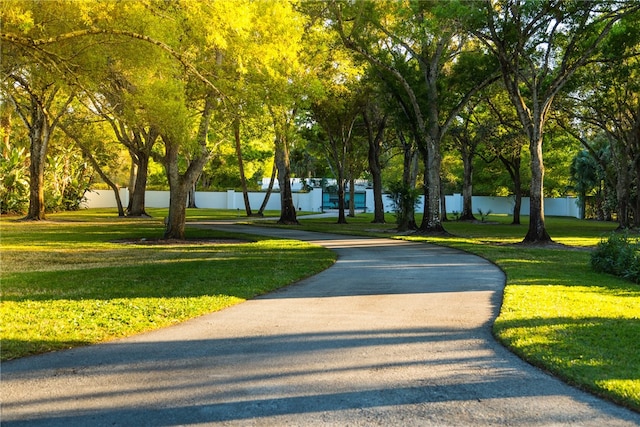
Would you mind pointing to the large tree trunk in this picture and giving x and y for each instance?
(375, 167)
(141, 149)
(411, 162)
(281, 124)
(179, 184)
(430, 135)
(537, 231)
(39, 133)
(263, 206)
(178, 193)
(431, 220)
(176, 220)
(287, 209)
(137, 196)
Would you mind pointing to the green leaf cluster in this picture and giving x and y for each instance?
(618, 255)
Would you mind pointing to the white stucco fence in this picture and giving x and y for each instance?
(312, 202)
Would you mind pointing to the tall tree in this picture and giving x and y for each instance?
(180, 182)
(393, 34)
(540, 46)
(37, 99)
(35, 81)
(277, 80)
(128, 107)
(608, 100)
(506, 143)
(375, 122)
(283, 125)
(96, 147)
(243, 178)
(337, 115)
(467, 134)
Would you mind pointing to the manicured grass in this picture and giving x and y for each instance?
(557, 313)
(560, 315)
(68, 282)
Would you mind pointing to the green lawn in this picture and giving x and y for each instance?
(560, 315)
(68, 272)
(68, 281)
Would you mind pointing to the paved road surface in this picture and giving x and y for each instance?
(394, 334)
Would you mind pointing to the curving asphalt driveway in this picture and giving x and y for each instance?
(395, 333)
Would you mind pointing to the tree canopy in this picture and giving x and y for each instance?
(225, 91)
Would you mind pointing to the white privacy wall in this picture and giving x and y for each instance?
(312, 202)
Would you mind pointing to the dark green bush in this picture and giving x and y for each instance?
(405, 200)
(618, 255)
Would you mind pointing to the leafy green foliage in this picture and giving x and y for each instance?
(14, 182)
(618, 255)
(586, 173)
(404, 199)
(68, 177)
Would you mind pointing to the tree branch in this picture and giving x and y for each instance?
(36, 43)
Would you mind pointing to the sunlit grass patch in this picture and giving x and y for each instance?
(627, 389)
(576, 241)
(563, 317)
(78, 280)
(36, 326)
(588, 335)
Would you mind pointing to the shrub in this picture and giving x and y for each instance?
(14, 181)
(618, 255)
(404, 199)
(484, 215)
(67, 179)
